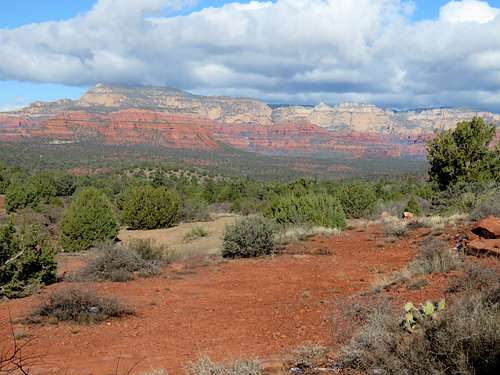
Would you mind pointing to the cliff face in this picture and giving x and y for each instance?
(177, 119)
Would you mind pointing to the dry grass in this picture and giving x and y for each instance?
(299, 233)
(394, 226)
(435, 257)
(196, 232)
(306, 359)
(205, 366)
(464, 340)
(79, 306)
(386, 282)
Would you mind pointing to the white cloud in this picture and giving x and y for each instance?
(286, 51)
(468, 11)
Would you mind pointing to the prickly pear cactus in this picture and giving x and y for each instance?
(414, 317)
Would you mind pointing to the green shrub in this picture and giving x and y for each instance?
(314, 209)
(358, 199)
(4, 178)
(146, 207)
(88, 220)
(25, 265)
(30, 193)
(251, 236)
(412, 206)
(80, 306)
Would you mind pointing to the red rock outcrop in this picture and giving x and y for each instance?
(488, 228)
(177, 119)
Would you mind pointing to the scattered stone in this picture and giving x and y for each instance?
(488, 228)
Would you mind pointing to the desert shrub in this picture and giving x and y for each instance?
(391, 208)
(476, 277)
(434, 257)
(88, 220)
(24, 264)
(315, 209)
(465, 339)
(194, 209)
(462, 154)
(394, 226)
(196, 232)
(413, 207)
(251, 236)
(118, 263)
(490, 205)
(358, 199)
(80, 306)
(205, 366)
(307, 358)
(146, 207)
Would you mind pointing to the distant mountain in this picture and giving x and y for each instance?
(177, 119)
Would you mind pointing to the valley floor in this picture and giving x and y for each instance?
(225, 309)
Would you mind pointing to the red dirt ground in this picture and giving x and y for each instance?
(234, 309)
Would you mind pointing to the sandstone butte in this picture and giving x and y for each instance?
(177, 119)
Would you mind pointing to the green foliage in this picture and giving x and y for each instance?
(412, 206)
(462, 154)
(251, 236)
(29, 192)
(25, 265)
(415, 317)
(315, 209)
(4, 178)
(358, 199)
(146, 207)
(88, 220)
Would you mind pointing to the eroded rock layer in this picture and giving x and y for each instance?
(177, 119)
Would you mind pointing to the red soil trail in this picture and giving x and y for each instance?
(234, 309)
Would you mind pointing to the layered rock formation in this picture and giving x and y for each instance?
(177, 119)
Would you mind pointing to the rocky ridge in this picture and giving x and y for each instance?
(174, 118)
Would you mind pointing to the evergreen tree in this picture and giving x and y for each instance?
(462, 154)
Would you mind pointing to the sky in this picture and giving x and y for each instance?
(393, 53)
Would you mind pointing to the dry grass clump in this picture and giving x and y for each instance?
(290, 234)
(465, 339)
(195, 233)
(118, 263)
(394, 226)
(306, 359)
(437, 222)
(205, 366)
(435, 257)
(79, 306)
(476, 277)
(397, 278)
